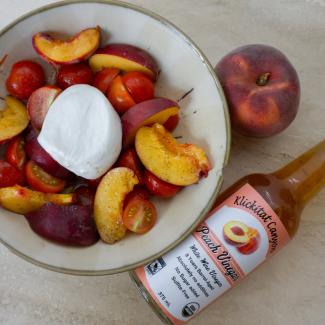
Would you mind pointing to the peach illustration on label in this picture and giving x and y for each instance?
(245, 238)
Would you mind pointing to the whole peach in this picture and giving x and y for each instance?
(262, 89)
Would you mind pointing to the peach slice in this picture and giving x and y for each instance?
(236, 233)
(39, 103)
(253, 243)
(108, 205)
(22, 200)
(124, 57)
(13, 118)
(172, 162)
(157, 110)
(78, 48)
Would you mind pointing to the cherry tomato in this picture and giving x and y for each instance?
(171, 124)
(140, 86)
(15, 153)
(10, 175)
(25, 77)
(130, 159)
(104, 78)
(41, 180)
(85, 196)
(139, 215)
(138, 192)
(159, 187)
(119, 96)
(74, 74)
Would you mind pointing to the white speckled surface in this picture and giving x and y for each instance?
(290, 289)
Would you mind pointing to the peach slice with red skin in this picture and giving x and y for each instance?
(108, 204)
(173, 162)
(39, 103)
(126, 58)
(157, 110)
(59, 52)
(13, 118)
(253, 243)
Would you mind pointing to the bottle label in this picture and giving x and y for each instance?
(236, 237)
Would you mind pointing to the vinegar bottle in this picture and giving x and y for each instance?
(250, 222)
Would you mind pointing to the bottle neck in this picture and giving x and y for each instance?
(305, 176)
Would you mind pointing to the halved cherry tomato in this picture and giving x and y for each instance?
(171, 124)
(131, 160)
(41, 180)
(10, 175)
(140, 86)
(119, 96)
(104, 78)
(139, 215)
(138, 192)
(15, 153)
(159, 187)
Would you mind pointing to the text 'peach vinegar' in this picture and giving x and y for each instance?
(250, 222)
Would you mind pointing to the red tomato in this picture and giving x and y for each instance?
(15, 153)
(25, 77)
(104, 78)
(172, 123)
(74, 74)
(140, 86)
(10, 175)
(85, 196)
(41, 180)
(139, 215)
(138, 192)
(159, 187)
(130, 159)
(119, 96)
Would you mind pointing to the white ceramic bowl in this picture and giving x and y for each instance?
(204, 122)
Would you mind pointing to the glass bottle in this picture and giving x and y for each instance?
(250, 221)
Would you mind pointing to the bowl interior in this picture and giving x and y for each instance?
(203, 122)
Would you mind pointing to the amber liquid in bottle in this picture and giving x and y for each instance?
(286, 191)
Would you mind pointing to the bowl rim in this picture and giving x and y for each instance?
(211, 200)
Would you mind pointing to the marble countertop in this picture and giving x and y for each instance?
(290, 288)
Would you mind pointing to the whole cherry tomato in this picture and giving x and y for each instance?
(24, 78)
(104, 78)
(119, 96)
(74, 74)
(10, 175)
(140, 215)
(41, 181)
(159, 187)
(140, 87)
(15, 154)
(130, 159)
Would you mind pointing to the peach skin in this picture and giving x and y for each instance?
(126, 58)
(157, 110)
